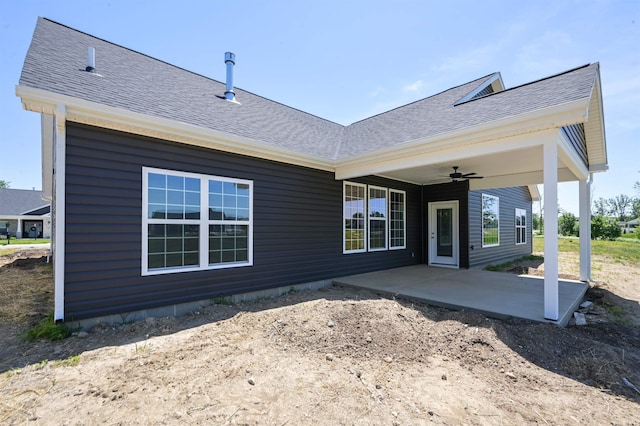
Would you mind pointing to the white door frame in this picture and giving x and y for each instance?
(434, 259)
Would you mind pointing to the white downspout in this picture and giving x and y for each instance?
(58, 209)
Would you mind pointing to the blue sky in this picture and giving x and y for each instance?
(347, 60)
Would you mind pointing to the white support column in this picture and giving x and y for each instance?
(551, 291)
(585, 229)
(58, 210)
(19, 228)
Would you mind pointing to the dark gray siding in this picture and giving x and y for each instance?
(577, 140)
(448, 192)
(510, 199)
(297, 225)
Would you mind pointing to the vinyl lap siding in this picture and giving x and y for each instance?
(297, 225)
(574, 134)
(510, 199)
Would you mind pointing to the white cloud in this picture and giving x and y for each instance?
(413, 87)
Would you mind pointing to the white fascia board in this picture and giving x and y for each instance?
(518, 131)
(534, 191)
(91, 113)
(571, 158)
(490, 80)
(601, 140)
(37, 208)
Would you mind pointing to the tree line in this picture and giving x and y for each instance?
(607, 214)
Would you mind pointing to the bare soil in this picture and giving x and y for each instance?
(334, 356)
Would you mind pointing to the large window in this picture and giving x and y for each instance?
(490, 220)
(374, 218)
(397, 212)
(521, 226)
(194, 222)
(377, 218)
(355, 211)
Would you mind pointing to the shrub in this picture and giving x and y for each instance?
(567, 224)
(604, 228)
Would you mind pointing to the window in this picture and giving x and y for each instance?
(354, 217)
(377, 218)
(521, 226)
(374, 218)
(194, 222)
(397, 213)
(490, 220)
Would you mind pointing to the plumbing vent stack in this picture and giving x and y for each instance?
(91, 60)
(230, 61)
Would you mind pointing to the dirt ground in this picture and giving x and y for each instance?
(334, 356)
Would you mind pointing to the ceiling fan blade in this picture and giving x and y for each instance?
(474, 177)
(469, 174)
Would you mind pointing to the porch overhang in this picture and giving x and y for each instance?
(507, 153)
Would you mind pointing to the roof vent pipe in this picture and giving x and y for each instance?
(230, 60)
(91, 60)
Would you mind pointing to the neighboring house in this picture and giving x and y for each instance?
(629, 226)
(172, 188)
(24, 213)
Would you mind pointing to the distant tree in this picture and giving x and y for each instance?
(601, 207)
(536, 222)
(635, 208)
(620, 206)
(4, 183)
(604, 228)
(567, 224)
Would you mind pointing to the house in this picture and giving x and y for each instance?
(629, 226)
(172, 188)
(24, 213)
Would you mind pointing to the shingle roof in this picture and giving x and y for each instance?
(14, 202)
(139, 83)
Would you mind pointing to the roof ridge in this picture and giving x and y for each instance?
(422, 99)
(184, 69)
(528, 83)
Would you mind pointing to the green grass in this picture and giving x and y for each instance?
(622, 249)
(47, 329)
(4, 241)
(503, 266)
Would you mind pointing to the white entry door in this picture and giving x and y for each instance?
(443, 234)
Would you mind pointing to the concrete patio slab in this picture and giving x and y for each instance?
(495, 294)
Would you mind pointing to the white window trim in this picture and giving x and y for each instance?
(385, 218)
(482, 220)
(521, 212)
(203, 222)
(404, 219)
(365, 218)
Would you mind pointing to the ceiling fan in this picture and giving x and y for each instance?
(456, 175)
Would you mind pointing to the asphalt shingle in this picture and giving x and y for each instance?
(14, 202)
(135, 82)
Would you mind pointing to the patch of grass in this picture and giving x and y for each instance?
(222, 300)
(618, 313)
(506, 265)
(47, 329)
(4, 242)
(72, 361)
(622, 249)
